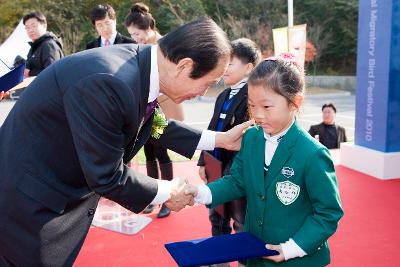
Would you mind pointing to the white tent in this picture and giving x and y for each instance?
(16, 44)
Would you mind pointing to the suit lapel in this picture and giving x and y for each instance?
(143, 135)
(282, 154)
(144, 57)
(144, 61)
(118, 38)
(98, 43)
(237, 100)
(218, 107)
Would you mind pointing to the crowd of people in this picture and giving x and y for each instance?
(280, 186)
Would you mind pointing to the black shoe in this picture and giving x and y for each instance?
(148, 209)
(164, 211)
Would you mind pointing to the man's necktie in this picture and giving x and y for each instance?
(150, 109)
(107, 42)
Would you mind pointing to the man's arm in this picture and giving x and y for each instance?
(51, 53)
(184, 139)
(312, 131)
(232, 139)
(180, 138)
(97, 109)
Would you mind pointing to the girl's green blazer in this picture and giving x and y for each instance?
(298, 198)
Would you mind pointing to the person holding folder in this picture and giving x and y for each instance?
(288, 177)
(230, 110)
(4, 95)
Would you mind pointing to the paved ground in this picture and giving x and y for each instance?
(5, 107)
(199, 111)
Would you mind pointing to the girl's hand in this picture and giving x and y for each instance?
(277, 258)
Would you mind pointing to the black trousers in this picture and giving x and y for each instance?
(235, 210)
(154, 152)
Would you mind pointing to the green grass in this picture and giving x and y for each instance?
(175, 157)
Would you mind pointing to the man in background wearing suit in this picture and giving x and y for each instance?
(328, 132)
(67, 140)
(104, 20)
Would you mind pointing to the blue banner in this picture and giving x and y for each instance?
(378, 76)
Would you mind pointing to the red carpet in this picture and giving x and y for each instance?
(368, 234)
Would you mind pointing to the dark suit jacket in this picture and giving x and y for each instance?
(237, 114)
(320, 130)
(64, 145)
(119, 39)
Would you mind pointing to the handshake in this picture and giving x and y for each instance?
(182, 194)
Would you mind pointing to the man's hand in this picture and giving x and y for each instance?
(231, 139)
(202, 174)
(179, 199)
(191, 190)
(277, 258)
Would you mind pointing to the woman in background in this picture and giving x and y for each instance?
(142, 27)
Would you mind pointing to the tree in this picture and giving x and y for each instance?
(331, 24)
(332, 27)
(169, 14)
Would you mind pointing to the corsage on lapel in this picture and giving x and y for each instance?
(159, 124)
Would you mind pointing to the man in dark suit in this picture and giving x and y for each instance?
(67, 140)
(104, 20)
(328, 132)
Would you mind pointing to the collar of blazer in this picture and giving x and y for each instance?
(117, 40)
(144, 60)
(238, 98)
(282, 153)
(143, 57)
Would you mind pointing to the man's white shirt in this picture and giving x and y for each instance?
(111, 40)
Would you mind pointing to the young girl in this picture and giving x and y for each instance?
(288, 178)
(141, 25)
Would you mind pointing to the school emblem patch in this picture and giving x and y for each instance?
(287, 172)
(287, 192)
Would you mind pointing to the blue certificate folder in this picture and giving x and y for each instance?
(218, 249)
(12, 78)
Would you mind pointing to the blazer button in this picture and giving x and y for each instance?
(262, 198)
(91, 212)
(259, 222)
